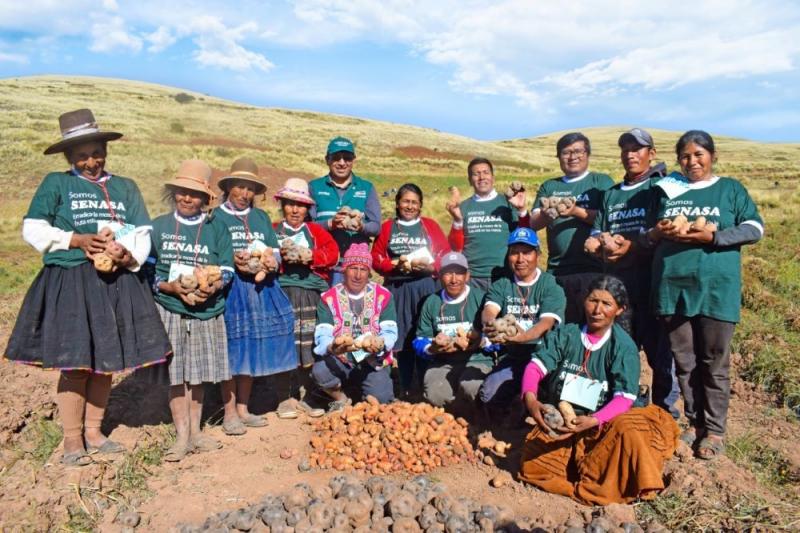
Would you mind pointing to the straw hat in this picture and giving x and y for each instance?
(244, 169)
(295, 189)
(79, 127)
(195, 175)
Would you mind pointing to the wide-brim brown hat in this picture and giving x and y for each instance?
(243, 169)
(195, 175)
(79, 127)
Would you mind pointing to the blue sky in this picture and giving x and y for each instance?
(486, 69)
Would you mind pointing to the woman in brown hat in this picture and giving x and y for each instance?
(309, 253)
(192, 262)
(258, 314)
(87, 321)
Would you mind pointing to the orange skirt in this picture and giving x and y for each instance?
(619, 463)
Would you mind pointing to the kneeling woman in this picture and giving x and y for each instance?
(609, 453)
(182, 241)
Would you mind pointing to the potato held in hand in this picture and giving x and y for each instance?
(343, 343)
(102, 261)
(455, 198)
(549, 206)
(370, 343)
(353, 219)
(294, 254)
(514, 188)
(592, 245)
(700, 223)
(504, 328)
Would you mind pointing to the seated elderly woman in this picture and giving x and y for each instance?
(356, 330)
(609, 452)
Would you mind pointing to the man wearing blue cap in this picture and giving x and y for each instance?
(343, 188)
(536, 301)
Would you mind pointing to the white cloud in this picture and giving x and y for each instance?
(218, 46)
(13, 58)
(110, 5)
(160, 40)
(111, 35)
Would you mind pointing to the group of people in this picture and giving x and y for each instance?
(469, 318)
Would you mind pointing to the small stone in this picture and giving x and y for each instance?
(632, 527)
(128, 518)
(587, 515)
(599, 525)
(304, 465)
(287, 453)
(488, 460)
(498, 481)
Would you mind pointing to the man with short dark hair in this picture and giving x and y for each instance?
(482, 223)
(341, 187)
(569, 224)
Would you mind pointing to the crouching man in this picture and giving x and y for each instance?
(356, 330)
(448, 336)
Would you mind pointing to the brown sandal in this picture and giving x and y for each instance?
(710, 448)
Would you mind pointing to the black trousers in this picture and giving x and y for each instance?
(701, 347)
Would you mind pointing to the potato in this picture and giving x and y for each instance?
(513, 188)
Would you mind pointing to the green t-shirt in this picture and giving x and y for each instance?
(623, 211)
(613, 361)
(566, 235)
(295, 275)
(404, 239)
(487, 224)
(191, 243)
(692, 280)
(247, 226)
(72, 203)
(529, 303)
(438, 316)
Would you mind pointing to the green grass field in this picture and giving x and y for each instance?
(163, 126)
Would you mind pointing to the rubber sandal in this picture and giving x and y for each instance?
(80, 458)
(287, 409)
(338, 405)
(204, 443)
(109, 446)
(710, 448)
(177, 452)
(234, 427)
(689, 436)
(253, 421)
(311, 412)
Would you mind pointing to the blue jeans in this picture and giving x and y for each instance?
(330, 373)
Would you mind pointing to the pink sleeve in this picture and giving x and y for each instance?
(531, 378)
(617, 406)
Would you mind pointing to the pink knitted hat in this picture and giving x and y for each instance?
(357, 254)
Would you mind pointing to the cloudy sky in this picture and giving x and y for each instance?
(487, 69)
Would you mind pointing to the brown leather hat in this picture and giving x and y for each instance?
(195, 175)
(79, 127)
(243, 169)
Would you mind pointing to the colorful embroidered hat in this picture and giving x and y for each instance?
(357, 254)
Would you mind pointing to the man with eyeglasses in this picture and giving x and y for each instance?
(482, 223)
(343, 188)
(571, 226)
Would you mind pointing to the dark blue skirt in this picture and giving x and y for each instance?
(408, 295)
(260, 325)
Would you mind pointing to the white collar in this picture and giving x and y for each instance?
(463, 296)
(287, 226)
(188, 222)
(232, 211)
(491, 196)
(695, 185)
(408, 222)
(536, 275)
(356, 296)
(588, 345)
(624, 187)
(576, 178)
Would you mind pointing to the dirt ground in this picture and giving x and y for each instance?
(45, 497)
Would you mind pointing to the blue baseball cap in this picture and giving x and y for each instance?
(524, 236)
(340, 144)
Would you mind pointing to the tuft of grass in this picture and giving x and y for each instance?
(748, 450)
(46, 436)
(79, 520)
(132, 473)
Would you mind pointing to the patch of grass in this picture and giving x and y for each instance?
(176, 127)
(79, 520)
(133, 471)
(767, 464)
(45, 436)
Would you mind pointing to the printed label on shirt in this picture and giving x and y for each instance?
(581, 391)
(178, 269)
(298, 239)
(123, 233)
(450, 329)
(421, 253)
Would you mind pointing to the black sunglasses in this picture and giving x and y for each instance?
(347, 156)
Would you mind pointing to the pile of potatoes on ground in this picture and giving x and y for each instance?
(381, 505)
(382, 439)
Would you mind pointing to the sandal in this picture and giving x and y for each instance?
(177, 452)
(79, 458)
(253, 421)
(234, 427)
(287, 409)
(204, 443)
(108, 446)
(310, 411)
(710, 448)
(689, 436)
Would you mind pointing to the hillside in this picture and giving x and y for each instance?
(164, 125)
